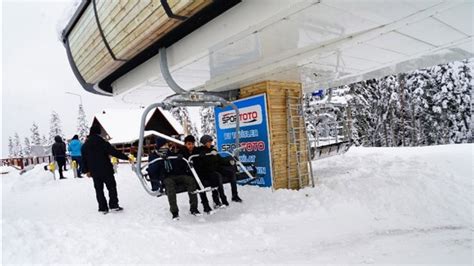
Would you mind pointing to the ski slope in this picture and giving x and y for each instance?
(371, 205)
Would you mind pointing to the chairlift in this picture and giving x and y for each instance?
(201, 187)
(183, 98)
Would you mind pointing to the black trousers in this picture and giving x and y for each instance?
(99, 192)
(61, 163)
(213, 179)
(230, 173)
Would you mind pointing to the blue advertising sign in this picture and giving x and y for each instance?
(254, 135)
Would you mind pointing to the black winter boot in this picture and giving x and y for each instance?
(225, 202)
(236, 198)
(175, 216)
(195, 212)
(207, 208)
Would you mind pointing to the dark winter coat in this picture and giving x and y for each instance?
(161, 169)
(206, 164)
(59, 148)
(96, 154)
(179, 166)
(157, 170)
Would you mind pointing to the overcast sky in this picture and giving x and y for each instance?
(36, 72)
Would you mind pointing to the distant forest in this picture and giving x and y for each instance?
(425, 107)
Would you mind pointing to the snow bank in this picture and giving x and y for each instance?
(7, 169)
(371, 205)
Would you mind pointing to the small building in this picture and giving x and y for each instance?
(121, 127)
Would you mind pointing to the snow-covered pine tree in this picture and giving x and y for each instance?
(390, 100)
(452, 101)
(82, 125)
(35, 135)
(470, 68)
(18, 150)
(208, 126)
(441, 92)
(405, 99)
(367, 113)
(424, 107)
(44, 141)
(459, 106)
(27, 147)
(55, 128)
(182, 115)
(417, 84)
(11, 149)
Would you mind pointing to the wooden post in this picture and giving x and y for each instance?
(277, 92)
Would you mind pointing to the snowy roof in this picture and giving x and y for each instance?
(123, 125)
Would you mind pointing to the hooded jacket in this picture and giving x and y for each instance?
(75, 148)
(96, 154)
(58, 148)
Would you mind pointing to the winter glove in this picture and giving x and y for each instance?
(164, 156)
(180, 156)
(202, 154)
(214, 152)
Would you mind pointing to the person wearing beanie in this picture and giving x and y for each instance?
(187, 151)
(207, 168)
(74, 148)
(171, 173)
(96, 163)
(154, 169)
(225, 166)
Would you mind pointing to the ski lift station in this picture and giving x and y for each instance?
(252, 61)
(120, 127)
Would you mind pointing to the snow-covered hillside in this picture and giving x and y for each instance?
(371, 205)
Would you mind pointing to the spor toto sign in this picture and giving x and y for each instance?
(249, 116)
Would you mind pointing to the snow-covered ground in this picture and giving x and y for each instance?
(371, 205)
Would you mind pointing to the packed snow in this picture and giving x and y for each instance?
(370, 205)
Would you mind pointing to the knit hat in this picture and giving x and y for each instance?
(205, 139)
(159, 141)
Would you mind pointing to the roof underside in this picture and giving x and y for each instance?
(318, 43)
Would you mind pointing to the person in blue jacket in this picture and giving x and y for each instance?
(74, 148)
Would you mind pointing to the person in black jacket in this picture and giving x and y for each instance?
(187, 151)
(96, 154)
(228, 169)
(156, 169)
(207, 167)
(173, 172)
(59, 153)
